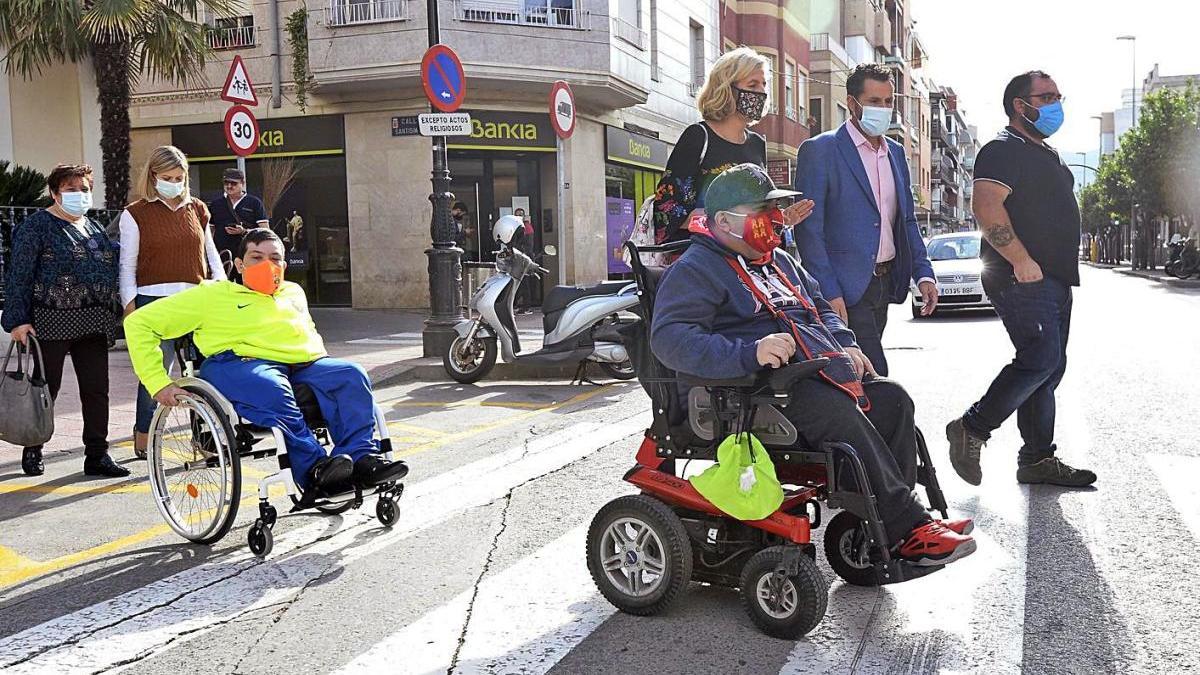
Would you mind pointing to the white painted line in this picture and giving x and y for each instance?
(168, 612)
(1178, 475)
(525, 620)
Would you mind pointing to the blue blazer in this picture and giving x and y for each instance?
(839, 241)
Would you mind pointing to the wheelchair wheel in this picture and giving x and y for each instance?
(639, 554)
(847, 550)
(782, 605)
(195, 473)
(260, 539)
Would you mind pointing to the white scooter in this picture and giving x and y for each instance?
(581, 323)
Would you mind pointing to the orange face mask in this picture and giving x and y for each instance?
(264, 277)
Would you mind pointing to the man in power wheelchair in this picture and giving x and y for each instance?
(265, 356)
(750, 337)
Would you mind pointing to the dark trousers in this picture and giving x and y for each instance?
(884, 438)
(89, 357)
(867, 319)
(1037, 317)
(146, 405)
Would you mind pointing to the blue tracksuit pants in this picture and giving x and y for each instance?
(261, 392)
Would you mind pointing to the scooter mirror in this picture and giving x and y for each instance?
(550, 250)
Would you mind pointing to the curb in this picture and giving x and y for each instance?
(432, 370)
(1169, 281)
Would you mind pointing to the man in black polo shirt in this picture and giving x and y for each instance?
(234, 212)
(1025, 204)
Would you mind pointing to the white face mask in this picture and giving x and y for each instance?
(76, 203)
(168, 189)
(875, 121)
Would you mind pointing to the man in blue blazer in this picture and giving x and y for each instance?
(862, 242)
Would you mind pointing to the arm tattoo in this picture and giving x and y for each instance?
(999, 235)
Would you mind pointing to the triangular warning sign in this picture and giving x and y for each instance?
(237, 87)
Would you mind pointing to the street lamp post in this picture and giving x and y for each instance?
(1133, 65)
(445, 257)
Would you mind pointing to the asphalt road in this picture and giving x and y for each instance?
(484, 573)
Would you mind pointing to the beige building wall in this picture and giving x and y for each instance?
(388, 182)
(584, 215)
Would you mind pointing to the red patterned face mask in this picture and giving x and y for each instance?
(761, 230)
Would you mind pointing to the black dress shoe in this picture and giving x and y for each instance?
(372, 470)
(105, 466)
(31, 462)
(331, 475)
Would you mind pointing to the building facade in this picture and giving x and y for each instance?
(953, 148)
(361, 187)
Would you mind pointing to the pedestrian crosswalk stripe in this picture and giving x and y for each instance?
(182, 606)
(549, 590)
(1179, 476)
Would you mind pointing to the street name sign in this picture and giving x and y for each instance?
(562, 109)
(443, 78)
(444, 124)
(241, 130)
(238, 89)
(406, 125)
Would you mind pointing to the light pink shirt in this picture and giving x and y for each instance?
(883, 185)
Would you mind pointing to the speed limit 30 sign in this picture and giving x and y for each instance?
(241, 130)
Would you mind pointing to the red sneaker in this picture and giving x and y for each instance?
(961, 526)
(933, 544)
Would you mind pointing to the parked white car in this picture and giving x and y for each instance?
(957, 267)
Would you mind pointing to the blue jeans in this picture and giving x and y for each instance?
(146, 405)
(1037, 317)
(261, 392)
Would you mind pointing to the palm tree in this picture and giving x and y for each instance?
(125, 40)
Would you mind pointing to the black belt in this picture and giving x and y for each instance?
(884, 268)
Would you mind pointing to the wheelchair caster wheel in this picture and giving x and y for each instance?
(268, 515)
(260, 539)
(782, 604)
(386, 511)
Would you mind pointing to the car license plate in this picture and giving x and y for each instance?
(957, 290)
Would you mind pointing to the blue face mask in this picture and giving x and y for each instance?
(1050, 119)
(76, 203)
(167, 189)
(875, 121)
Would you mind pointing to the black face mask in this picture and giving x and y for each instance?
(750, 103)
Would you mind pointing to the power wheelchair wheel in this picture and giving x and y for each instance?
(783, 601)
(848, 551)
(639, 554)
(195, 472)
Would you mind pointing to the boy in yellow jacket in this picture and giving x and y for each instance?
(259, 340)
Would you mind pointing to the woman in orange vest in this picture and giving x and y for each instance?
(166, 248)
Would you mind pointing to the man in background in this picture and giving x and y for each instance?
(233, 213)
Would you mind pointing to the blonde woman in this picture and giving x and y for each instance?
(166, 247)
(734, 97)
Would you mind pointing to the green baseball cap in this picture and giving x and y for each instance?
(742, 184)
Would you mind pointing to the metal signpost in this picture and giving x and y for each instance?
(562, 118)
(444, 82)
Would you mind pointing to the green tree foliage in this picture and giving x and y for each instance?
(125, 40)
(21, 186)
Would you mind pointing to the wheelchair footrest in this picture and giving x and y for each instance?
(899, 571)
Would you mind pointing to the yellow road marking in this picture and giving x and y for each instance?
(415, 429)
(31, 569)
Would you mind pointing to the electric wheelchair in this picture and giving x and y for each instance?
(195, 458)
(644, 549)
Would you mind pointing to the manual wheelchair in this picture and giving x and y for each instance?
(644, 549)
(195, 454)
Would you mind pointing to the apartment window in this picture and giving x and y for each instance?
(234, 32)
(816, 115)
(801, 96)
(789, 89)
(773, 84)
(549, 13)
(697, 42)
(654, 75)
(843, 114)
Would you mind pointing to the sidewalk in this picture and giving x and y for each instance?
(387, 343)
(1154, 275)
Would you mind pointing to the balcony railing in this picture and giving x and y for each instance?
(629, 32)
(350, 12)
(548, 13)
(237, 37)
(820, 42)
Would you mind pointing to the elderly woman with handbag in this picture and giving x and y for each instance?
(61, 289)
